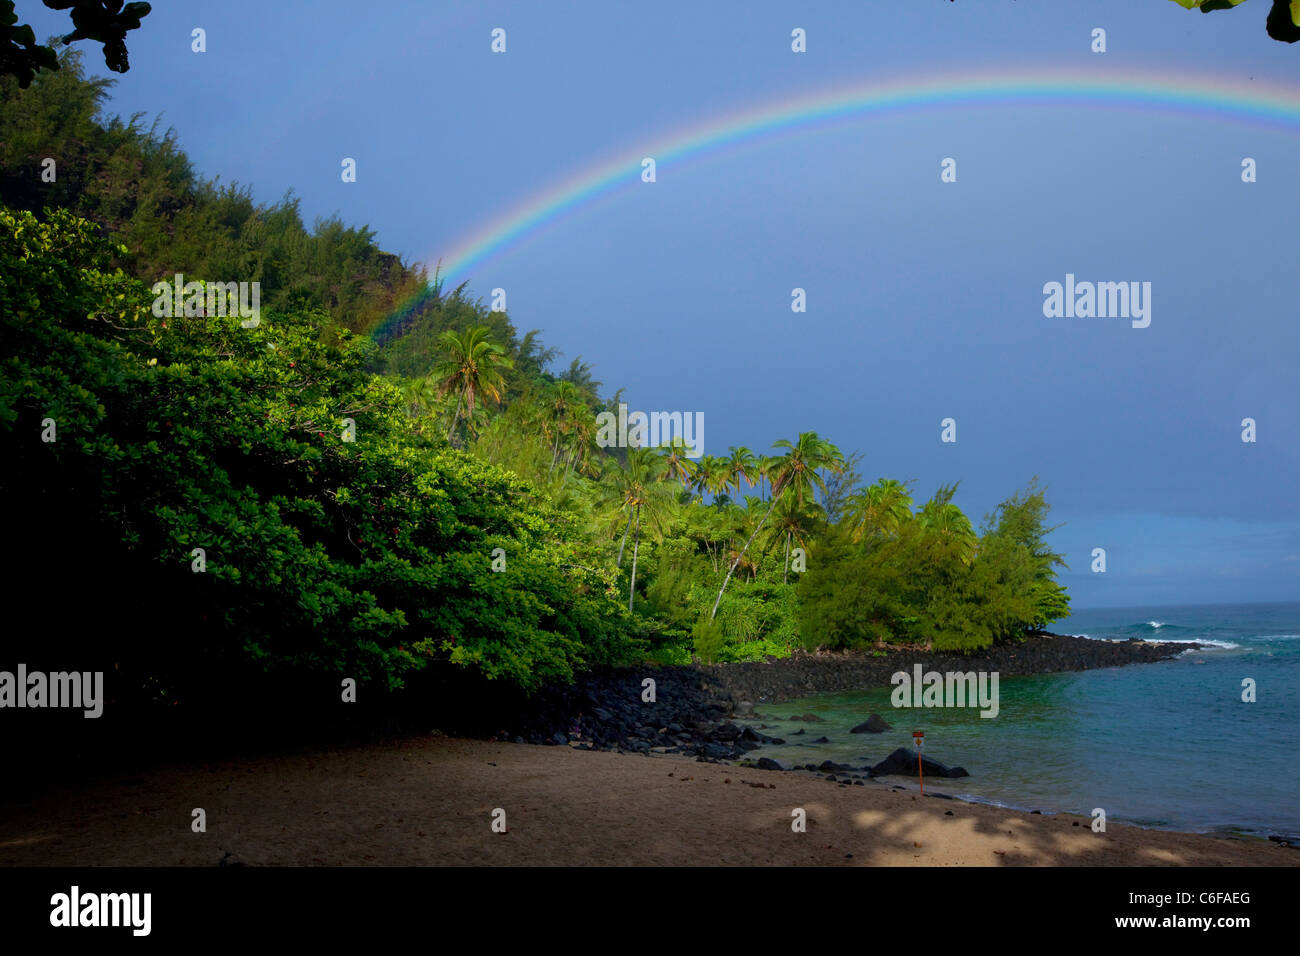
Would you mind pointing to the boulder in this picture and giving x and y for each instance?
(767, 763)
(743, 708)
(875, 724)
(727, 732)
(902, 763)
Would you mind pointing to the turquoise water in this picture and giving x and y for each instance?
(1168, 745)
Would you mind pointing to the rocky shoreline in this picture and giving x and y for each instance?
(693, 706)
(809, 673)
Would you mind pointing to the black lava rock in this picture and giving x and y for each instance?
(875, 724)
(902, 762)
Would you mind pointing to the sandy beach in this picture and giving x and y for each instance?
(429, 801)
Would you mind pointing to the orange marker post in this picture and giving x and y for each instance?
(918, 736)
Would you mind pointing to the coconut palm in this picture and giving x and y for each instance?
(676, 466)
(580, 449)
(746, 566)
(741, 464)
(641, 496)
(565, 406)
(793, 523)
(711, 476)
(795, 474)
(470, 369)
(882, 508)
(766, 466)
(797, 470)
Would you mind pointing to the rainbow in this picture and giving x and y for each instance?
(1221, 98)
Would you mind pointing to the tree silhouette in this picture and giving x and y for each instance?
(105, 21)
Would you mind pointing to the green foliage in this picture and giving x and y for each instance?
(927, 579)
(374, 558)
(367, 558)
(137, 184)
(856, 595)
(708, 639)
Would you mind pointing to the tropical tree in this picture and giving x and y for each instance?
(949, 525)
(1021, 520)
(833, 464)
(640, 496)
(764, 469)
(676, 466)
(794, 522)
(796, 474)
(580, 449)
(741, 464)
(879, 509)
(567, 409)
(797, 471)
(470, 369)
(711, 476)
(419, 397)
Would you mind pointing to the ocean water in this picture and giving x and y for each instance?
(1167, 745)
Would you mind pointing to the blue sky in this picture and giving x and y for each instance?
(924, 299)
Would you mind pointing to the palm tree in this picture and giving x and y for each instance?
(797, 470)
(639, 494)
(580, 450)
(741, 464)
(471, 368)
(419, 400)
(711, 476)
(766, 466)
(795, 473)
(795, 522)
(882, 508)
(565, 404)
(677, 467)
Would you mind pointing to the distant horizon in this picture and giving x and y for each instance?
(1137, 607)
